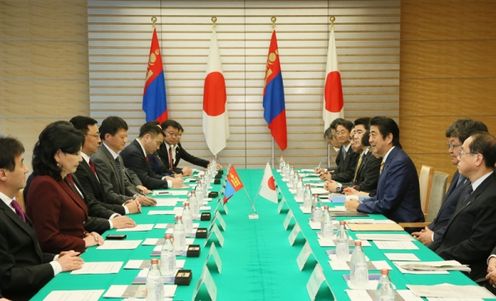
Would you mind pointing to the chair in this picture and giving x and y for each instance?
(425, 181)
(438, 190)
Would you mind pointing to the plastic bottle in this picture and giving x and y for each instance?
(154, 283)
(359, 275)
(307, 197)
(326, 226)
(300, 188)
(316, 212)
(168, 258)
(187, 220)
(342, 243)
(385, 290)
(179, 236)
(193, 205)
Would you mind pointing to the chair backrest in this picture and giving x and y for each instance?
(425, 180)
(438, 190)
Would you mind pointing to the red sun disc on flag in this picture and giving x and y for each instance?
(272, 184)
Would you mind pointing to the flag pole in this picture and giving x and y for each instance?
(273, 19)
(253, 214)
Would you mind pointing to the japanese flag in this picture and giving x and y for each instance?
(268, 185)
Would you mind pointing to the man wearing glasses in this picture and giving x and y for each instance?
(469, 236)
(456, 134)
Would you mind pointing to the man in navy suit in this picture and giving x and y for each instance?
(398, 195)
(135, 157)
(456, 134)
(470, 234)
(24, 268)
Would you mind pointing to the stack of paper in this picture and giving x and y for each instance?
(447, 290)
(443, 265)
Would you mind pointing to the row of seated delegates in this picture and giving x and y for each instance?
(332, 148)
(58, 212)
(166, 160)
(346, 159)
(456, 134)
(89, 182)
(24, 267)
(136, 153)
(398, 195)
(366, 174)
(120, 186)
(470, 234)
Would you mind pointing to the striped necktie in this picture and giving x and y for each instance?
(18, 210)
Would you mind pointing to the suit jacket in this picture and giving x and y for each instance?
(181, 153)
(345, 170)
(116, 186)
(24, 268)
(368, 174)
(58, 214)
(469, 236)
(440, 222)
(135, 160)
(398, 195)
(93, 191)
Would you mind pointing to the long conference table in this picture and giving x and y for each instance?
(258, 261)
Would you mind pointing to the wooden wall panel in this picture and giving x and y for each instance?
(448, 71)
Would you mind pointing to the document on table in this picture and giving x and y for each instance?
(119, 245)
(137, 291)
(395, 245)
(374, 227)
(76, 295)
(368, 295)
(138, 228)
(168, 202)
(397, 237)
(136, 264)
(442, 265)
(101, 267)
(401, 256)
(447, 290)
(319, 190)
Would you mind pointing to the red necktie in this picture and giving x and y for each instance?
(18, 210)
(92, 167)
(171, 162)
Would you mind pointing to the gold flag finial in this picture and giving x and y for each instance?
(154, 21)
(332, 19)
(273, 19)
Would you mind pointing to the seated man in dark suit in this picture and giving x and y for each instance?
(398, 195)
(24, 268)
(367, 170)
(171, 152)
(470, 235)
(135, 158)
(456, 135)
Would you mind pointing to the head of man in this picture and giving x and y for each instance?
(172, 131)
(88, 126)
(343, 129)
(113, 133)
(458, 132)
(12, 168)
(361, 126)
(477, 156)
(151, 136)
(330, 136)
(384, 134)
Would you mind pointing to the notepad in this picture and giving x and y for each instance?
(74, 295)
(101, 267)
(374, 227)
(119, 245)
(138, 228)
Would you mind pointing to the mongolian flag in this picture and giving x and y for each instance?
(154, 99)
(233, 184)
(273, 96)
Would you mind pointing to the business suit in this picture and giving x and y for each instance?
(345, 170)
(440, 222)
(93, 190)
(58, 215)
(398, 195)
(117, 188)
(135, 160)
(368, 174)
(24, 268)
(181, 153)
(469, 236)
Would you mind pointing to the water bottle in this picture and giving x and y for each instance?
(154, 283)
(281, 164)
(168, 259)
(385, 290)
(307, 197)
(179, 236)
(326, 226)
(342, 244)
(187, 220)
(193, 205)
(359, 275)
(299, 188)
(316, 212)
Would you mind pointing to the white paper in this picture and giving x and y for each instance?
(303, 256)
(402, 256)
(319, 190)
(371, 285)
(398, 237)
(395, 245)
(78, 295)
(170, 202)
(102, 267)
(116, 291)
(447, 290)
(288, 219)
(369, 221)
(134, 264)
(358, 295)
(316, 279)
(178, 192)
(138, 228)
(294, 233)
(442, 265)
(119, 245)
(305, 210)
(337, 209)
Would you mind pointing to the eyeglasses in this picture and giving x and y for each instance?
(173, 134)
(462, 153)
(453, 146)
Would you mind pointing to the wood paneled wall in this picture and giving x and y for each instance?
(448, 71)
(43, 65)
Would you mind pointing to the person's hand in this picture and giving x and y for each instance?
(177, 182)
(350, 191)
(92, 239)
(133, 206)
(331, 186)
(351, 205)
(145, 201)
(4, 299)
(187, 171)
(142, 189)
(491, 265)
(326, 176)
(121, 222)
(424, 236)
(218, 166)
(69, 261)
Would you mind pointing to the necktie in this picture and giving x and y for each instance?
(92, 167)
(18, 210)
(359, 164)
(464, 196)
(343, 152)
(382, 167)
(171, 162)
(118, 163)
